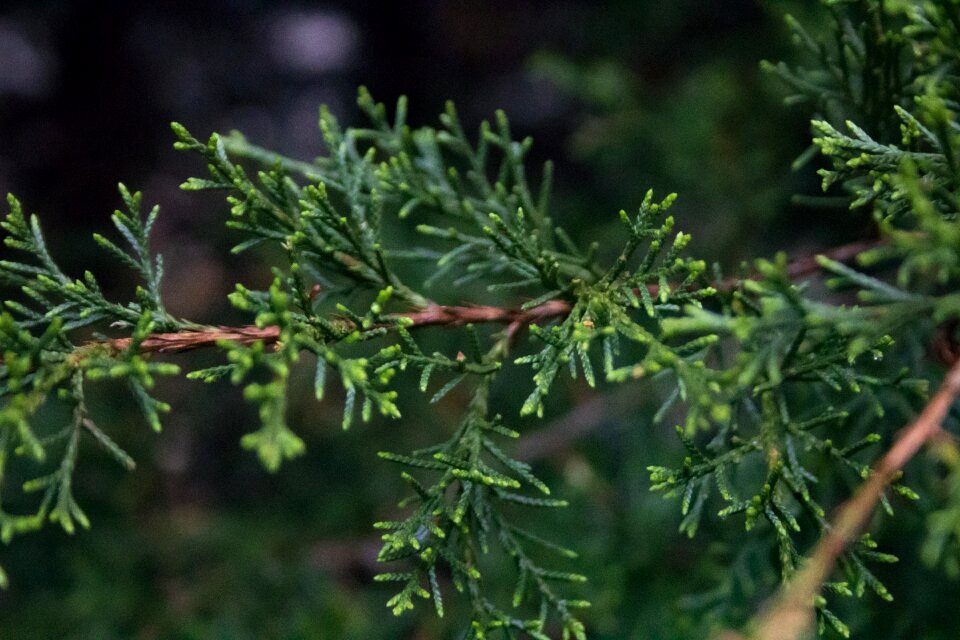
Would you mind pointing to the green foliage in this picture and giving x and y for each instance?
(943, 536)
(862, 68)
(456, 529)
(46, 362)
(780, 391)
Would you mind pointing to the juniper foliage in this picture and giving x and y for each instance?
(779, 389)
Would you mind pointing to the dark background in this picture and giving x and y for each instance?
(88, 89)
(199, 542)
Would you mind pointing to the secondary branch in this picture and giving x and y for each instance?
(791, 615)
(435, 315)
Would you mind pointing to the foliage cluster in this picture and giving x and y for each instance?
(780, 389)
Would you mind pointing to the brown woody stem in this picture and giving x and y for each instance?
(791, 614)
(435, 315)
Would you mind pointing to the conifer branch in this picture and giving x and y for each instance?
(436, 315)
(772, 388)
(791, 615)
(431, 316)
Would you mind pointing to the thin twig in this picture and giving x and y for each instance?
(791, 614)
(435, 315)
(187, 340)
(804, 266)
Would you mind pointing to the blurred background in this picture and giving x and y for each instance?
(199, 541)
